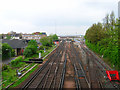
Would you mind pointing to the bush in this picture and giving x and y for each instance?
(6, 50)
(41, 47)
(16, 61)
(46, 41)
(30, 50)
(5, 67)
(41, 51)
(32, 42)
(13, 53)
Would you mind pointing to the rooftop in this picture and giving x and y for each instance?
(15, 43)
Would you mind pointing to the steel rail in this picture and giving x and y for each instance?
(80, 65)
(63, 74)
(48, 73)
(36, 74)
(102, 67)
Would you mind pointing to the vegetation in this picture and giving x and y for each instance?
(54, 37)
(8, 36)
(103, 39)
(6, 51)
(10, 74)
(0, 48)
(9, 71)
(23, 78)
(48, 41)
(16, 62)
(31, 49)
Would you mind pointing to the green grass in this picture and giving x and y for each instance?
(19, 65)
(23, 78)
(9, 75)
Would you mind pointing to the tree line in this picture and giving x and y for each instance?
(103, 38)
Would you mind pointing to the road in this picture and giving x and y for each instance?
(8, 60)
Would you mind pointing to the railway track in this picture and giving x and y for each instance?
(80, 78)
(50, 75)
(100, 70)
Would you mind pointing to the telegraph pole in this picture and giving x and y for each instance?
(119, 29)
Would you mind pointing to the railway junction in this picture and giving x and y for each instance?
(71, 66)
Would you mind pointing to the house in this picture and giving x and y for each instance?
(17, 44)
(11, 36)
(34, 36)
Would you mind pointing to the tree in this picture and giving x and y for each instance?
(46, 41)
(55, 37)
(32, 42)
(112, 19)
(106, 22)
(104, 39)
(27, 52)
(31, 48)
(6, 51)
(95, 33)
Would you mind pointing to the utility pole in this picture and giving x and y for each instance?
(119, 29)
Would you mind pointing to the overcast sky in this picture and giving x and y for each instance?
(63, 17)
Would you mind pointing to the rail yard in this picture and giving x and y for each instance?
(74, 66)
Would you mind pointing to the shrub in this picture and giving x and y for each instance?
(30, 50)
(16, 61)
(6, 50)
(5, 67)
(13, 53)
(41, 47)
(41, 51)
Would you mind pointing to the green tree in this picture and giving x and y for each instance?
(55, 37)
(33, 42)
(46, 41)
(103, 38)
(95, 33)
(112, 19)
(30, 49)
(6, 51)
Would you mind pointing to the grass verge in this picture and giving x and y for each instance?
(23, 78)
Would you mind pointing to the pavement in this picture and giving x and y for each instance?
(6, 61)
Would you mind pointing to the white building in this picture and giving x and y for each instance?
(34, 36)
